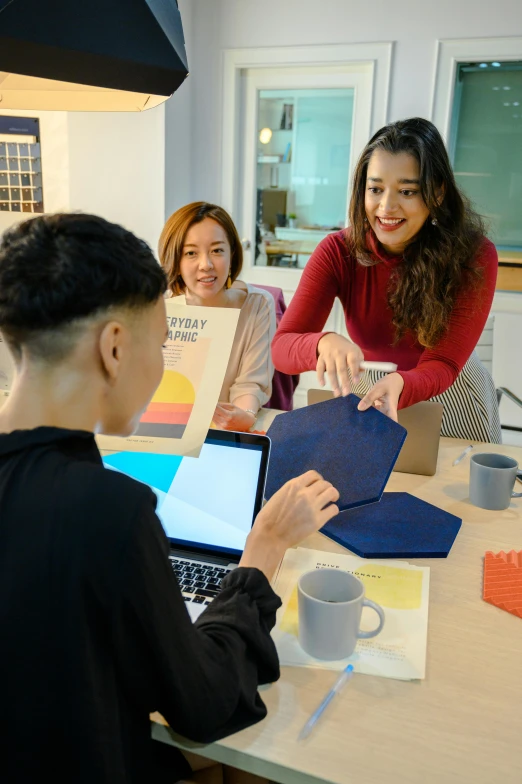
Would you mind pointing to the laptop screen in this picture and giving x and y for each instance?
(209, 503)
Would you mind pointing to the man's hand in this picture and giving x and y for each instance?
(298, 509)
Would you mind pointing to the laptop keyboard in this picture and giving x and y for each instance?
(199, 582)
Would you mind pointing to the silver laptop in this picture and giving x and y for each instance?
(423, 421)
(207, 505)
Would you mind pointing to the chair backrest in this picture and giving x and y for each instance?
(484, 350)
(283, 385)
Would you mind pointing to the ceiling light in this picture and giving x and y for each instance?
(516, 103)
(506, 87)
(507, 103)
(496, 65)
(495, 88)
(265, 134)
(483, 65)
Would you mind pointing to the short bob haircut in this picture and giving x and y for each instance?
(172, 240)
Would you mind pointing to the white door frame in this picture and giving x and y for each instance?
(356, 77)
(236, 60)
(452, 52)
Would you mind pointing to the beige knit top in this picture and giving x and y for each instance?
(250, 367)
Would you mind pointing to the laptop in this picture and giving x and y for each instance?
(420, 451)
(423, 422)
(207, 505)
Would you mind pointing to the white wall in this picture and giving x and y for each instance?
(507, 352)
(117, 168)
(111, 164)
(415, 26)
(178, 128)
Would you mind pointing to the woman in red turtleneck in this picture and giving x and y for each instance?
(415, 276)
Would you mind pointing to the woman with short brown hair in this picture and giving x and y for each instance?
(200, 250)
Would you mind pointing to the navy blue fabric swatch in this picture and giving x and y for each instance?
(399, 526)
(354, 450)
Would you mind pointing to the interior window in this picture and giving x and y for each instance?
(486, 145)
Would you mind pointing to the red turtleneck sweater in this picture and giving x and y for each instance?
(333, 272)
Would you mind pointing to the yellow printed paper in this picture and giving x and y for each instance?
(390, 586)
(399, 651)
(289, 621)
(196, 355)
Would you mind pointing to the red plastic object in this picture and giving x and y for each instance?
(503, 581)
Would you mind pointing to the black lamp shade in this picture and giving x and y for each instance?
(90, 54)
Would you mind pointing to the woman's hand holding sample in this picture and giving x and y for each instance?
(384, 395)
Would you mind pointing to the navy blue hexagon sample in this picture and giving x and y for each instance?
(399, 526)
(355, 450)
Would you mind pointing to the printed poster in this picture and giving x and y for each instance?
(196, 355)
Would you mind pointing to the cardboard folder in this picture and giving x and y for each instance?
(354, 450)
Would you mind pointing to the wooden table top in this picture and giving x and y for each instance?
(291, 247)
(308, 246)
(510, 257)
(463, 723)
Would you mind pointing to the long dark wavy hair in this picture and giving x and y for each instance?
(441, 258)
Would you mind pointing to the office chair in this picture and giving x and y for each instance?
(510, 395)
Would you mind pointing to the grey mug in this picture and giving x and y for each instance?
(491, 480)
(330, 604)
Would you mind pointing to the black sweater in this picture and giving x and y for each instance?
(95, 634)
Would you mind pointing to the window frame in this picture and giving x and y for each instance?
(450, 53)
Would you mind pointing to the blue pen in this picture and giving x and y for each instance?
(343, 678)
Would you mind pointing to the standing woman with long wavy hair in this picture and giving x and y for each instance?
(415, 276)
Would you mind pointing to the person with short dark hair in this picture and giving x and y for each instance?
(201, 253)
(415, 276)
(95, 632)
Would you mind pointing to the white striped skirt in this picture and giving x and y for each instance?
(470, 404)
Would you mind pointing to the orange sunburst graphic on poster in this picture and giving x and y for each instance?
(170, 409)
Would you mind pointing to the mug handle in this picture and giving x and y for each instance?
(380, 613)
(518, 476)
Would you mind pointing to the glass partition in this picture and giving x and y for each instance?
(486, 145)
(303, 159)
